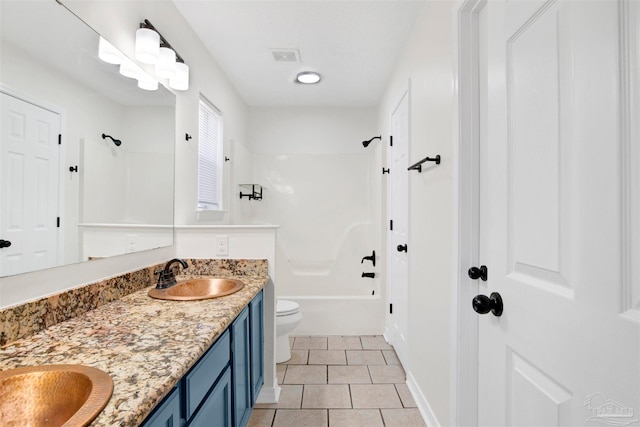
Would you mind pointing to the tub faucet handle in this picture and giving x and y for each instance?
(371, 258)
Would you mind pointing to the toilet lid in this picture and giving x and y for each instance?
(285, 307)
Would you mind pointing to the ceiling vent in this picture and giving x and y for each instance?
(286, 55)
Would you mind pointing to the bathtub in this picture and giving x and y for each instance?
(340, 315)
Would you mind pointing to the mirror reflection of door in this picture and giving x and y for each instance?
(29, 197)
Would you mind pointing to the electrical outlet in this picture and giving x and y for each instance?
(131, 242)
(222, 245)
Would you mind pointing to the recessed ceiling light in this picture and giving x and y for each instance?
(308, 77)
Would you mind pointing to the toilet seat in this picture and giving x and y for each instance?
(286, 308)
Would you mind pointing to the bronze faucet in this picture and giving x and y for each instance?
(166, 276)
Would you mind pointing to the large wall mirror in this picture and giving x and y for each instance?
(81, 196)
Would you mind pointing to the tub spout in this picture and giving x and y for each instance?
(369, 275)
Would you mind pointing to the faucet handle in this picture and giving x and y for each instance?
(371, 258)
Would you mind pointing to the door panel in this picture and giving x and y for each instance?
(551, 216)
(536, 236)
(535, 399)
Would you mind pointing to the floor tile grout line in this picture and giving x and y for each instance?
(326, 366)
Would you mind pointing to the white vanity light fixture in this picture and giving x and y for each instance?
(308, 77)
(180, 81)
(147, 44)
(168, 62)
(146, 82)
(130, 69)
(109, 53)
(166, 65)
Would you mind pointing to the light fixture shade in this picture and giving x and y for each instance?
(147, 45)
(146, 82)
(166, 65)
(308, 77)
(109, 53)
(180, 81)
(130, 69)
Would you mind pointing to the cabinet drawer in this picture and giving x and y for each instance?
(204, 374)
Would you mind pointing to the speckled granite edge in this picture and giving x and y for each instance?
(34, 316)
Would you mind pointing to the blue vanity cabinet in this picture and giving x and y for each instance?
(167, 414)
(241, 368)
(221, 388)
(256, 316)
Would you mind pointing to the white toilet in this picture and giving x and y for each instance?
(288, 316)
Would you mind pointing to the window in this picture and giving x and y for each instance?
(209, 156)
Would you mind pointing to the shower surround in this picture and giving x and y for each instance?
(326, 208)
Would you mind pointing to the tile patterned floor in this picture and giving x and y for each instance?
(335, 381)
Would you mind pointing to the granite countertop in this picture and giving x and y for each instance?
(146, 345)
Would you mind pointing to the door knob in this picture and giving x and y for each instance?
(402, 248)
(483, 304)
(478, 273)
(4, 243)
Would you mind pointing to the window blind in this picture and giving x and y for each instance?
(209, 147)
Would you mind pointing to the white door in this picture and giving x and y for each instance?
(555, 204)
(398, 207)
(29, 163)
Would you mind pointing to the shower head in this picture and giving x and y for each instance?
(365, 144)
(115, 141)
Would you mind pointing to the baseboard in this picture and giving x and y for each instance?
(427, 413)
(269, 395)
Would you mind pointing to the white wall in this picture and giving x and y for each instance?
(426, 62)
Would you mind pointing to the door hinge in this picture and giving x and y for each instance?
(59, 139)
(385, 170)
(58, 222)
(390, 308)
(391, 140)
(390, 225)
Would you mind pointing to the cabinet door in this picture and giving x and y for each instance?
(241, 369)
(256, 316)
(204, 374)
(167, 414)
(216, 409)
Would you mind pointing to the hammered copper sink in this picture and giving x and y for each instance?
(53, 395)
(197, 289)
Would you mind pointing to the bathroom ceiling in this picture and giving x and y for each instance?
(354, 45)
